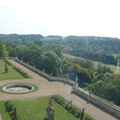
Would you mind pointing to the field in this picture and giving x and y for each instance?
(36, 110)
(49, 38)
(112, 67)
(12, 74)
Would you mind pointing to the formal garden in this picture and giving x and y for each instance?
(13, 71)
(36, 109)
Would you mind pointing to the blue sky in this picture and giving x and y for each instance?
(60, 17)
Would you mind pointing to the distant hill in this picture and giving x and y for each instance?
(11, 37)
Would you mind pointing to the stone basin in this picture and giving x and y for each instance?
(18, 88)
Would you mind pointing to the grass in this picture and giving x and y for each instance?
(2, 63)
(35, 88)
(112, 67)
(36, 110)
(12, 74)
(4, 112)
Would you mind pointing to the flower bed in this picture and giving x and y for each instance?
(21, 72)
(71, 108)
(12, 110)
(9, 63)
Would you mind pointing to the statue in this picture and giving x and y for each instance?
(67, 76)
(6, 68)
(50, 104)
(76, 79)
(75, 86)
(51, 74)
(5, 65)
(50, 112)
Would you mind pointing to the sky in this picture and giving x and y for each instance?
(61, 17)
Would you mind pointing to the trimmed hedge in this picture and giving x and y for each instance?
(23, 73)
(9, 63)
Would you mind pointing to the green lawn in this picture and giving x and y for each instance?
(2, 63)
(36, 110)
(12, 74)
(4, 112)
(113, 67)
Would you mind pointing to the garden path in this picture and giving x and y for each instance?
(0, 117)
(52, 88)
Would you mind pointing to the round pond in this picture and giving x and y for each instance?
(18, 88)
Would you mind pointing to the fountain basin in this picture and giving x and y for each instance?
(18, 88)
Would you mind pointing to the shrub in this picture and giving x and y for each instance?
(12, 110)
(23, 73)
(9, 105)
(9, 63)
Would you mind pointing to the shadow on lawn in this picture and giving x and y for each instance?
(45, 119)
(3, 73)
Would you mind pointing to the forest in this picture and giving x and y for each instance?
(46, 52)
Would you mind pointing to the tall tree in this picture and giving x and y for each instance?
(3, 50)
(84, 75)
(48, 60)
(55, 71)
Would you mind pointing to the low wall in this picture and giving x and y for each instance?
(113, 109)
(43, 74)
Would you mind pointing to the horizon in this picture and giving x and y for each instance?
(59, 35)
(63, 18)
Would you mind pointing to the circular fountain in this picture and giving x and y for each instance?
(18, 88)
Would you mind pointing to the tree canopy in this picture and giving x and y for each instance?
(3, 50)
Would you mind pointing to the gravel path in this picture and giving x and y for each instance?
(51, 88)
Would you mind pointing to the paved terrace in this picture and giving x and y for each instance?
(52, 88)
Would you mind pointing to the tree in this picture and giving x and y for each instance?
(32, 54)
(55, 71)
(76, 68)
(84, 75)
(48, 60)
(99, 77)
(117, 81)
(110, 59)
(65, 68)
(10, 46)
(91, 73)
(38, 42)
(102, 69)
(57, 50)
(3, 50)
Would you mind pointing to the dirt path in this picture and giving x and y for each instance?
(51, 88)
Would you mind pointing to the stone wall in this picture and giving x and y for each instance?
(113, 109)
